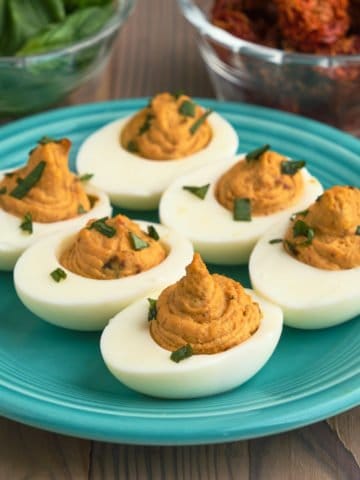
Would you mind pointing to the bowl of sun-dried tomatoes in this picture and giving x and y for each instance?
(301, 56)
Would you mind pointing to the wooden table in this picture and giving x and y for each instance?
(156, 52)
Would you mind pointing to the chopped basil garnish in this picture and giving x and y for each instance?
(178, 94)
(137, 242)
(256, 154)
(275, 240)
(92, 199)
(181, 353)
(9, 174)
(198, 191)
(187, 108)
(242, 209)
(28, 182)
(26, 223)
(152, 309)
(290, 167)
(146, 125)
(44, 140)
(81, 209)
(197, 124)
(303, 213)
(152, 232)
(2, 190)
(357, 231)
(58, 274)
(103, 228)
(86, 177)
(132, 146)
(301, 229)
(291, 247)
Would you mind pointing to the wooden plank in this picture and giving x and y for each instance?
(27, 452)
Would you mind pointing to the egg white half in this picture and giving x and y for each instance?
(137, 183)
(135, 359)
(13, 240)
(309, 297)
(210, 226)
(87, 304)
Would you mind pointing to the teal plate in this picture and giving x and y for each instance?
(55, 379)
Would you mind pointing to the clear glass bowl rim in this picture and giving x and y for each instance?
(236, 45)
(123, 10)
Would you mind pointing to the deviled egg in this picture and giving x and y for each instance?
(80, 279)
(310, 266)
(43, 197)
(204, 335)
(225, 208)
(135, 158)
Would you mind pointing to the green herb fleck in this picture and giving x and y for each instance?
(181, 353)
(303, 213)
(301, 229)
(197, 124)
(9, 174)
(256, 154)
(152, 232)
(132, 146)
(58, 274)
(291, 167)
(146, 125)
(198, 191)
(178, 94)
(85, 177)
(357, 231)
(291, 247)
(26, 223)
(2, 190)
(187, 108)
(242, 210)
(81, 209)
(28, 182)
(103, 228)
(275, 240)
(152, 309)
(137, 242)
(44, 140)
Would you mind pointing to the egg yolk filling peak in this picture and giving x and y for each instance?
(211, 313)
(261, 181)
(170, 127)
(327, 234)
(111, 248)
(45, 188)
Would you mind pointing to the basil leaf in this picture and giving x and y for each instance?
(103, 228)
(302, 229)
(85, 177)
(357, 231)
(256, 154)
(28, 182)
(44, 140)
(303, 213)
(58, 274)
(137, 242)
(146, 125)
(242, 209)
(181, 353)
(26, 224)
(152, 232)
(132, 146)
(152, 309)
(198, 191)
(2, 190)
(187, 108)
(275, 240)
(291, 167)
(197, 124)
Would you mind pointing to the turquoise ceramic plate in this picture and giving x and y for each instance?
(55, 379)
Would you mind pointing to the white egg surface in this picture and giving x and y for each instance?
(135, 359)
(82, 303)
(309, 297)
(135, 182)
(14, 240)
(210, 226)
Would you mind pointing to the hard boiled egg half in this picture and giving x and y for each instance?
(311, 297)
(141, 363)
(135, 158)
(83, 303)
(47, 196)
(190, 205)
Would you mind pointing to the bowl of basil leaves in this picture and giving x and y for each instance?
(50, 47)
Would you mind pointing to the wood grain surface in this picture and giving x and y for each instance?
(156, 51)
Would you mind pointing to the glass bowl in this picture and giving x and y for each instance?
(326, 88)
(32, 83)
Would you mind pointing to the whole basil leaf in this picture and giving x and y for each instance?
(24, 19)
(71, 5)
(77, 26)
